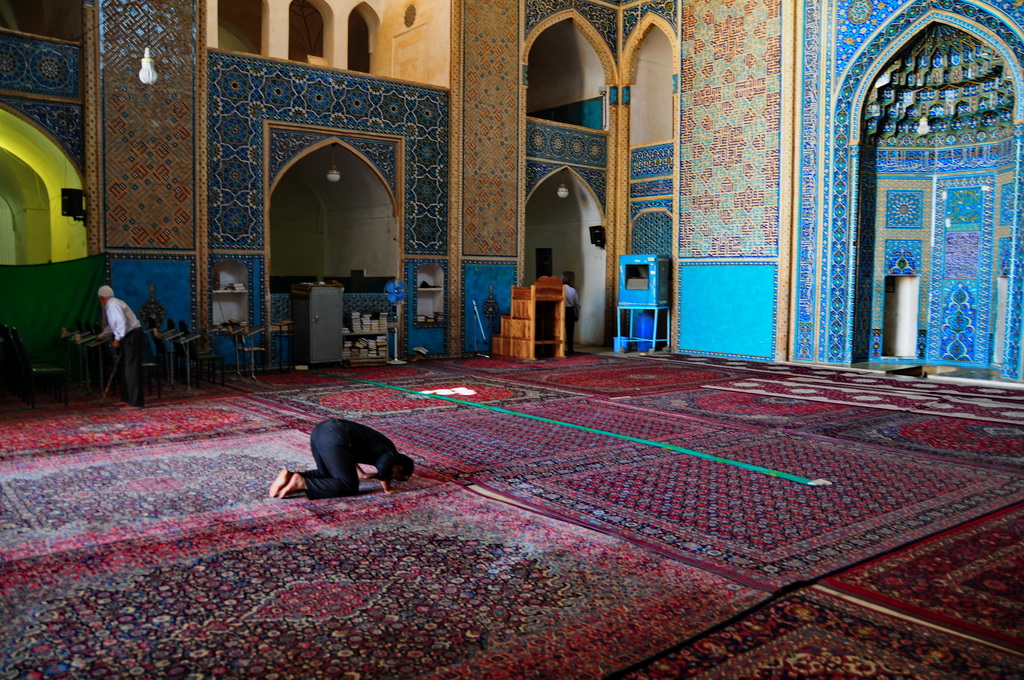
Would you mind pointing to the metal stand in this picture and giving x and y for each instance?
(398, 315)
(185, 341)
(483, 336)
(167, 336)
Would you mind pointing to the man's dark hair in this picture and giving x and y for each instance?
(407, 465)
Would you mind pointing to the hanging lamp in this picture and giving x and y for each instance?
(333, 175)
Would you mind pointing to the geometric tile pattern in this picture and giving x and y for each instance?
(631, 16)
(960, 256)
(61, 121)
(288, 144)
(38, 66)
(552, 142)
(651, 161)
(902, 257)
(1007, 214)
(904, 209)
(658, 187)
(492, 81)
(149, 137)
(958, 326)
(961, 286)
(597, 180)
(605, 20)
(975, 157)
(729, 129)
(858, 52)
(652, 233)
(246, 91)
(1005, 253)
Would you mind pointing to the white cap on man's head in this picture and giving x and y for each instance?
(105, 292)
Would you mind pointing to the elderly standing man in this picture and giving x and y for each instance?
(124, 327)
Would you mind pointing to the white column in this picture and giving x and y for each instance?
(212, 24)
(276, 21)
(899, 334)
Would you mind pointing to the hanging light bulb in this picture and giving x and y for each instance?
(923, 127)
(147, 74)
(333, 175)
(563, 191)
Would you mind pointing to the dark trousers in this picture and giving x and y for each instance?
(335, 473)
(570, 330)
(133, 345)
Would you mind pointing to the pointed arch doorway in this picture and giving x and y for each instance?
(937, 171)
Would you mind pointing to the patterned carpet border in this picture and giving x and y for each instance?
(815, 635)
(862, 378)
(970, 579)
(973, 442)
(477, 441)
(906, 401)
(604, 375)
(355, 400)
(436, 583)
(744, 408)
(85, 430)
(701, 512)
(61, 503)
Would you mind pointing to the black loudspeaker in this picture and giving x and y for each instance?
(597, 236)
(543, 262)
(71, 203)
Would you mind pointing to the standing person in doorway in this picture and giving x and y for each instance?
(572, 311)
(124, 327)
(339, 447)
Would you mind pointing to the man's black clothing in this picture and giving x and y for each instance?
(338, 445)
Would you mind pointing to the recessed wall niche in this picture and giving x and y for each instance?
(230, 293)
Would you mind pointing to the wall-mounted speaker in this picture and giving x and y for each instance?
(72, 203)
(597, 236)
(543, 262)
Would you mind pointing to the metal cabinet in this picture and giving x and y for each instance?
(316, 312)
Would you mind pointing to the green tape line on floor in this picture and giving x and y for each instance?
(662, 445)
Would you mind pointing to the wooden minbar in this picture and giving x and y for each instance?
(536, 327)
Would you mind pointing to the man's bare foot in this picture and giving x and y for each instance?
(295, 483)
(279, 482)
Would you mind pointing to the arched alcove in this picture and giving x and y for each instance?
(33, 173)
(936, 173)
(651, 115)
(239, 25)
(565, 77)
(305, 31)
(48, 18)
(363, 26)
(319, 229)
(560, 228)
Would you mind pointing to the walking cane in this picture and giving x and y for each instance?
(110, 380)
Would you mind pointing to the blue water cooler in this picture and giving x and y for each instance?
(644, 284)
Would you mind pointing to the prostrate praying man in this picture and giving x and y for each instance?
(124, 327)
(339, 447)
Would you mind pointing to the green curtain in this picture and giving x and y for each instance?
(41, 299)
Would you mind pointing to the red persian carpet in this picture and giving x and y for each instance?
(91, 429)
(606, 376)
(65, 503)
(742, 408)
(434, 583)
(762, 529)
(349, 399)
(980, 442)
(815, 635)
(970, 579)
(929, 404)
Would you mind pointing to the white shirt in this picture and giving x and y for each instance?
(572, 298)
(120, 318)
